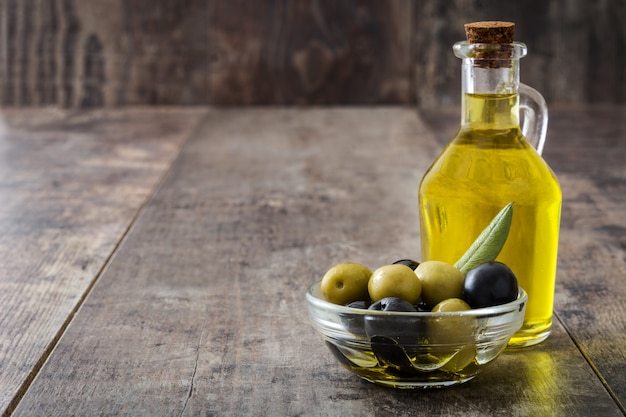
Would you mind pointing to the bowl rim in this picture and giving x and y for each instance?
(513, 306)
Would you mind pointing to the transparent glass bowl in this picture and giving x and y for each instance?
(416, 349)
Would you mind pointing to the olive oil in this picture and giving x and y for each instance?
(487, 165)
(429, 368)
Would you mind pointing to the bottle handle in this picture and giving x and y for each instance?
(534, 112)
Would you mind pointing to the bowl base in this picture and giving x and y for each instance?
(419, 385)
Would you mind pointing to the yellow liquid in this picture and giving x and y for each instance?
(430, 367)
(486, 166)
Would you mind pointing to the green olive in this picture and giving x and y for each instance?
(439, 281)
(461, 359)
(451, 304)
(446, 333)
(346, 282)
(395, 280)
(451, 329)
(444, 330)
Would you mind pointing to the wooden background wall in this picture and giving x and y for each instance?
(93, 53)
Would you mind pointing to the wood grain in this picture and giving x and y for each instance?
(591, 290)
(572, 48)
(99, 53)
(309, 52)
(71, 184)
(202, 310)
(110, 53)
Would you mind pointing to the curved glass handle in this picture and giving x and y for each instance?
(534, 112)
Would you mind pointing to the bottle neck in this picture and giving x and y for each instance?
(490, 99)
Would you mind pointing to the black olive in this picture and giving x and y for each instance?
(423, 307)
(408, 262)
(403, 330)
(359, 304)
(490, 284)
(394, 357)
(392, 304)
(354, 322)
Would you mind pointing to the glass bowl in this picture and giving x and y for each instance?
(415, 349)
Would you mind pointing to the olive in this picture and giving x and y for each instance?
(461, 359)
(392, 304)
(450, 330)
(354, 323)
(345, 283)
(402, 329)
(422, 306)
(359, 304)
(408, 262)
(392, 356)
(490, 284)
(439, 281)
(451, 304)
(395, 280)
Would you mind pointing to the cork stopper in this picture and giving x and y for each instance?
(490, 32)
(496, 37)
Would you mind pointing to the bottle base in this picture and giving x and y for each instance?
(526, 337)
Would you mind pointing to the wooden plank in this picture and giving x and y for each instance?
(70, 185)
(202, 310)
(309, 52)
(591, 297)
(572, 47)
(103, 53)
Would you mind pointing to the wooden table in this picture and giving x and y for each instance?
(154, 261)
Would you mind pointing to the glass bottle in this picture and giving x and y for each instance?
(489, 163)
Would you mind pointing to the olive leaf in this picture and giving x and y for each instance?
(489, 243)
